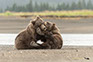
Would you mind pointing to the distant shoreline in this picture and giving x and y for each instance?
(53, 14)
(57, 17)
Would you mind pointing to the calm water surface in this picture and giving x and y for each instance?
(69, 39)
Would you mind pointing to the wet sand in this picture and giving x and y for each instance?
(66, 54)
(15, 24)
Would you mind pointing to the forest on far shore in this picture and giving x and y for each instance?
(30, 7)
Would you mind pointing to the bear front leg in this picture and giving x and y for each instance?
(35, 45)
(57, 40)
(45, 45)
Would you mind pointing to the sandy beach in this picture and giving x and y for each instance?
(12, 24)
(66, 54)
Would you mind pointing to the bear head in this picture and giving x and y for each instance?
(39, 25)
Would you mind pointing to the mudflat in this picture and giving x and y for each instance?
(14, 24)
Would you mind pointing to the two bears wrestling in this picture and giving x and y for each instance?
(36, 30)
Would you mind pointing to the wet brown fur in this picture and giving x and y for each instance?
(26, 38)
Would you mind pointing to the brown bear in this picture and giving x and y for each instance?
(39, 30)
(26, 39)
(52, 38)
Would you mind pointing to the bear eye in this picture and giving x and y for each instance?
(44, 29)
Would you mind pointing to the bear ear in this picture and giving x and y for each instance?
(54, 24)
(38, 17)
(48, 22)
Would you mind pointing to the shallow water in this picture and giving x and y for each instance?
(68, 39)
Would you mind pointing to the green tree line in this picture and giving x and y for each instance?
(30, 7)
